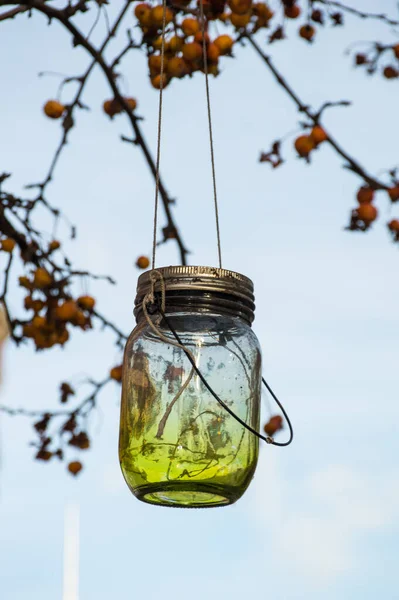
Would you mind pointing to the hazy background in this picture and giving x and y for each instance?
(321, 518)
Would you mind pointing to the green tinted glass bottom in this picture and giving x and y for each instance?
(186, 495)
(167, 474)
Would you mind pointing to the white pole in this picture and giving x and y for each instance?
(4, 333)
(71, 553)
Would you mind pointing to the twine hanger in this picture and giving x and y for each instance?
(150, 300)
(159, 134)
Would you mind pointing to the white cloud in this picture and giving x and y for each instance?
(314, 525)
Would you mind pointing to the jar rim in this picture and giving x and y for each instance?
(185, 284)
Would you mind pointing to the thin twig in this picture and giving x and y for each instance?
(359, 13)
(350, 162)
(52, 13)
(68, 118)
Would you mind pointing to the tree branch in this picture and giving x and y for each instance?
(68, 120)
(79, 39)
(357, 12)
(350, 162)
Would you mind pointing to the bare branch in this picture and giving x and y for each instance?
(357, 12)
(350, 162)
(134, 121)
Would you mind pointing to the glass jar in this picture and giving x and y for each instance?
(186, 450)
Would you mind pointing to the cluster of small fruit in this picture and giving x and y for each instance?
(78, 438)
(53, 309)
(292, 10)
(365, 213)
(184, 54)
(390, 71)
(184, 40)
(183, 47)
(305, 144)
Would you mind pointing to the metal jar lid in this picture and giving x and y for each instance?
(207, 287)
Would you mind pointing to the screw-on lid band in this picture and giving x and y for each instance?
(219, 284)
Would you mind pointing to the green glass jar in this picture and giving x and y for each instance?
(187, 450)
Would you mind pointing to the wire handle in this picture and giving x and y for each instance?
(269, 440)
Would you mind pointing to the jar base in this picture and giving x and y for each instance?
(185, 495)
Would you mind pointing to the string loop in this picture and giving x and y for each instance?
(159, 133)
(210, 128)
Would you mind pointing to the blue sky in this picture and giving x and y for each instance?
(321, 518)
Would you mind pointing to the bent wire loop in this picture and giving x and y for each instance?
(154, 308)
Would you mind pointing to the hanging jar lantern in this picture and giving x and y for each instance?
(178, 446)
(191, 385)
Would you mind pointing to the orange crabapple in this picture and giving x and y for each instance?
(240, 21)
(80, 320)
(54, 109)
(262, 10)
(116, 373)
(155, 63)
(190, 26)
(367, 213)
(75, 467)
(192, 51)
(365, 195)
(240, 7)
(131, 102)
(307, 32)
(109, 108)
(318, 135)
(7, 245)
(394, 193)
(157, 13)
(66, 311)
(157, 44)
(42, 278)
(199, 37)
(175, 44)
(177, 67)
(390, 72)
(292, 12)
(224, 43)
(274, 424)
(317, 16)
(213, 69)
(304, 145)
(394, 225)
(39, 322)
(157, 81)
(213, 53)
(62, 337)
(143, 262)
(142, 12)
(54, 245)
(86, 302)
